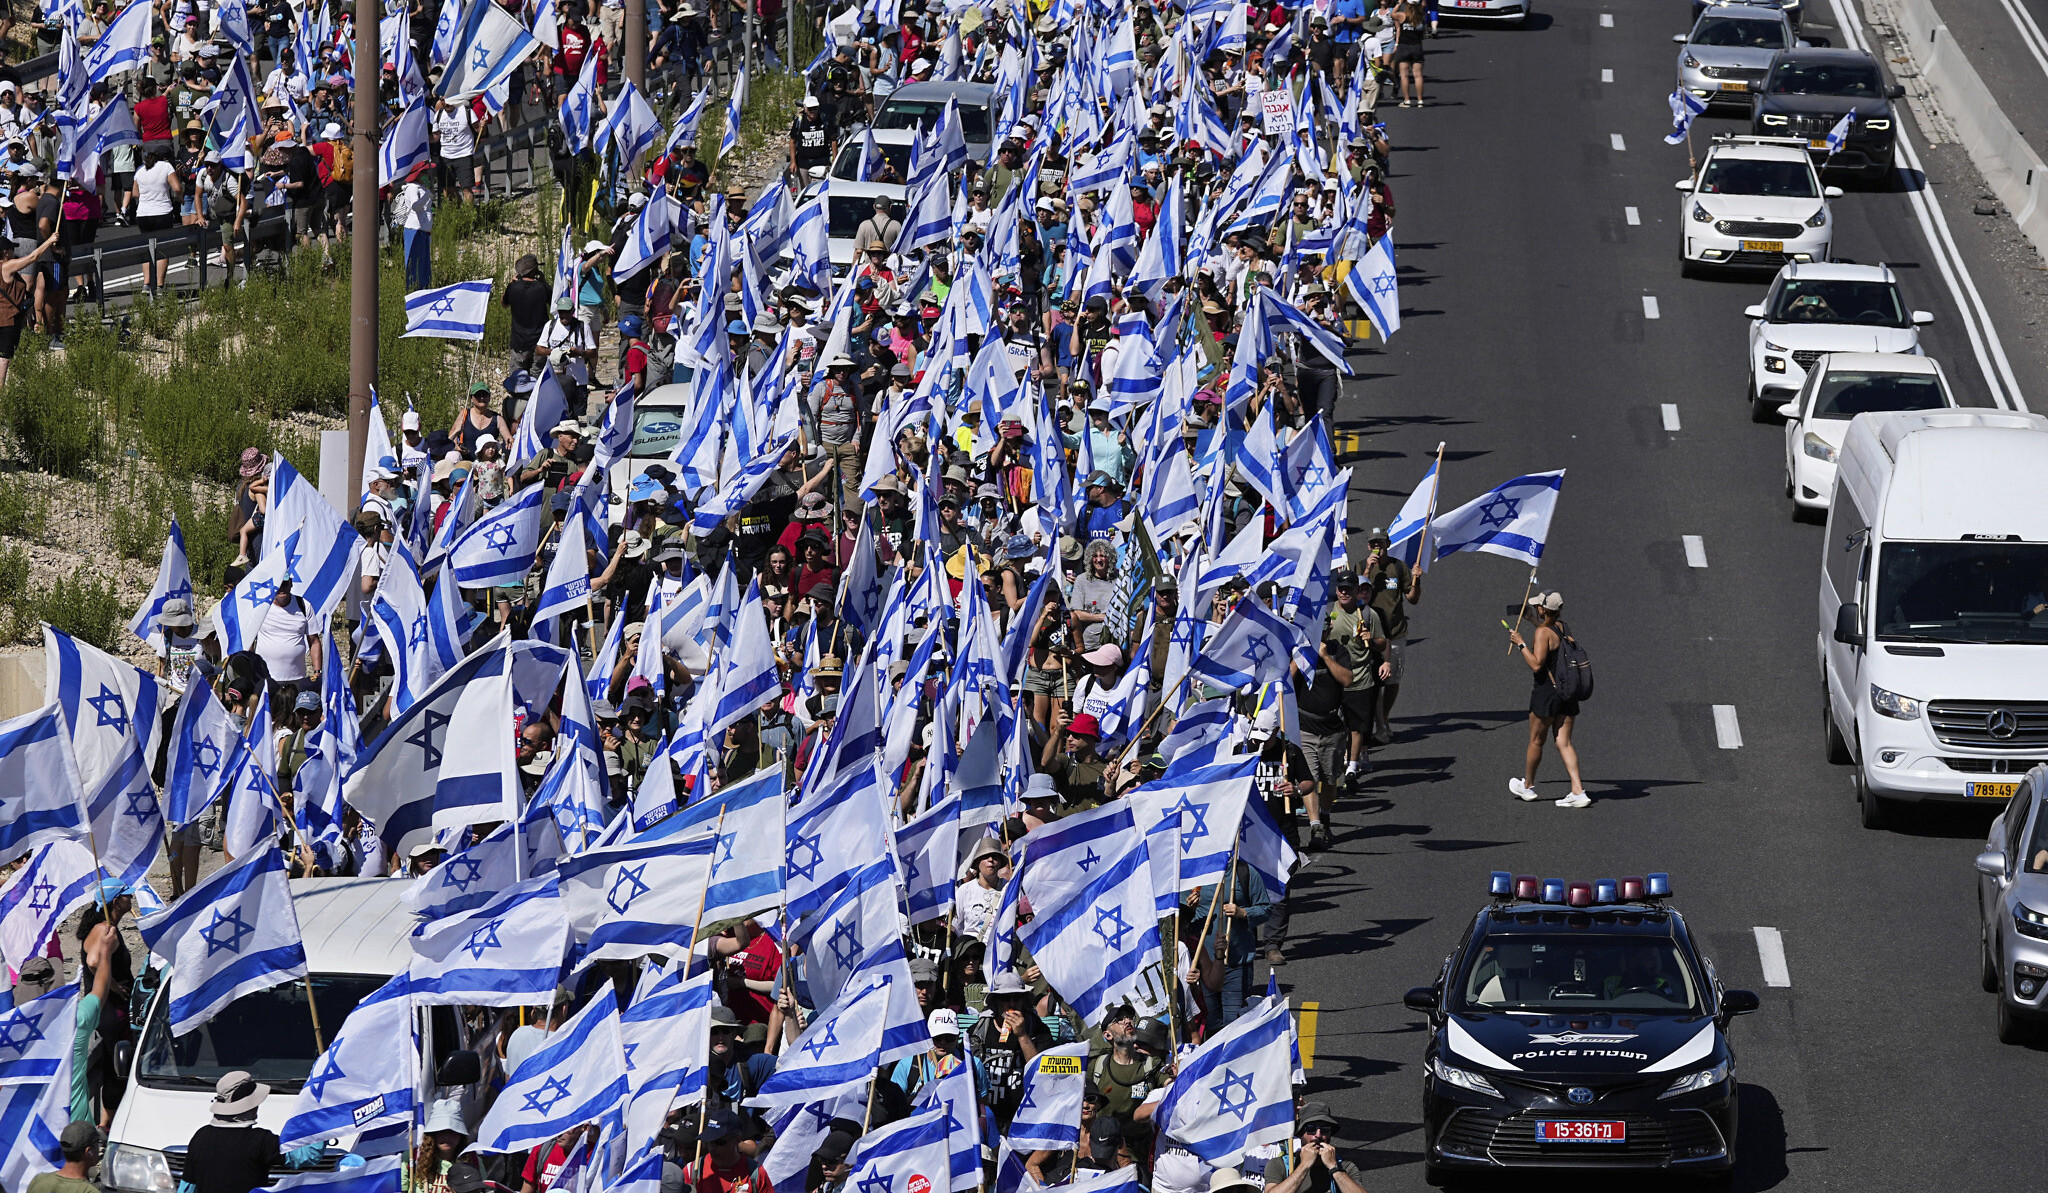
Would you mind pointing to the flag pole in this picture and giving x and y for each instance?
(1429, 518)
(319, 1039)
(1522, 609)
(1216, 900)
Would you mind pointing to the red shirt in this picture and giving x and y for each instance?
(153, 118)
(761, 960)
(543, 1173)
(706, 1177)
(323, 157)
(575, 45)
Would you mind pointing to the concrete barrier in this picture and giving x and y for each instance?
(21, 683)
(2011, 167)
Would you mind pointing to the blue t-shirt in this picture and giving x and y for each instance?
(1347, 10)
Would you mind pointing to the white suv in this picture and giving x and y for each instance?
(1757, 204)
(1812, 310)
(1840, 386)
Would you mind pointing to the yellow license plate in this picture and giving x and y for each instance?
(1763, 246)
(1734, 85)
(1817, 143)
(1990, 790)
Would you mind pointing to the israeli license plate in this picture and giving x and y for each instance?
(1468, 3)
(1991, 790)
(1734, 85)
(1763, 246)
(1817, 143)
(1582, 1131)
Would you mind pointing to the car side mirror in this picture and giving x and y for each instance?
(1422, 998)
(1831, 192)
(1755, 312)
(1679, 39)
(1990, 863)
(1739, 1002)
(1922, 318)
(124, 1057)
(1789, 411)
(461, 1067)
(1684, 184)
(1895, 91)
(1802, 44)
(1849, 624)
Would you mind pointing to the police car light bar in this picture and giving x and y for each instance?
(1500, 884)
(1553, 890)
(1659, 886)
(1504, 886)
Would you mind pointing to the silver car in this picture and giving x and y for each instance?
(2012, 908)
(1729, 51)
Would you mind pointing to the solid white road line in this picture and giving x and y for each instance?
(1770, 949)
(1607, 76)
(1984, 341)
(1607, 20)
(1650, 307)
(1614, 139)
(1671, 416)
(1726, 731)
(1696, 557)
(2030, 33)
(1635, 218)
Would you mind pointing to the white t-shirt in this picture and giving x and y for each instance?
(571, 336)
(153, 189)
(415, 208)
(282, 641)
(975, 909)
(456, 130)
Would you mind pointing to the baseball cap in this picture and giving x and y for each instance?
(942, 1022)
(1552, 601)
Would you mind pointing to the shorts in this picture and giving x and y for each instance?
(459, 172)
(1408, 54)
(1544, 702)
(156, 223)
(1360, 709)
(1049, 681)
(1327, 754)
(10, 337)
(1396, 660)
(302, 219)
(191, 836)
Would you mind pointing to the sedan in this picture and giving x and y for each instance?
(1840, 386)
(1729, 51)
(2012, 909)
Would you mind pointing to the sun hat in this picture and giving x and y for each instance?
(1084, 725)
(253, 461)
(986, 847)
(176, 614)
(237, 1094)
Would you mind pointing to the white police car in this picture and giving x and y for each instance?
(1577, 1025)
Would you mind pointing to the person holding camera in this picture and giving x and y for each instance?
(558, 463)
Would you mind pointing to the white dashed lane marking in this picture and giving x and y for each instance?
(1650, 307)
(1695, 550)
(1727, 732)
(1607, 76)
(1615, 140)
(1770, 949)
(1607, 20)
(1635, 218)
(1671, 416)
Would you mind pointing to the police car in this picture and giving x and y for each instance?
(1577, 1025)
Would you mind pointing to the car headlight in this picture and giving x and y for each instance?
(1774, 364)
(1700, 215)
(1776, 121)
(1770, 347)
(1695, 1082)
(1813, 445)
(2028, 922)
(1461, 1078)
(1891, 704)
(1878, 125)
(1691, 63)
(137, 1169)
(1819, 219)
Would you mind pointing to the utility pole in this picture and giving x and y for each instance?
(636, 43)
(362, 310)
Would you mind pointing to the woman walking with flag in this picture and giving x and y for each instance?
(1549, 712)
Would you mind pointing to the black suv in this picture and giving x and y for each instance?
(1577, 1025)
(1807, 93)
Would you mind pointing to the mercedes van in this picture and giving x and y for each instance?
(1933, 636)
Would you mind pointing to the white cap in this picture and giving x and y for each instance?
(446, 1115)
(811, 101)
(409, 421)
(483, 441)
(636, 201)
(1264, 725)
(332, 132)
(8, 85)
(942, 1022)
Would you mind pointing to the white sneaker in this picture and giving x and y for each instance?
(1577, 799)
(1521, 790)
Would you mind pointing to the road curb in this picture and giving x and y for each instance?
(2011, 168)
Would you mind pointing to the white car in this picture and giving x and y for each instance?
(1512, 12)
(892, 143)
(1757, 203)
(1840, 386)
(1812, 310)
(847, 206)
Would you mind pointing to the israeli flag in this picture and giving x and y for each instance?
(34, 1115)
(577, 1077)
(399, 613)
(748, 679)
(575, 789)
(909, 1154)
(500, 547)
(798, 1133)
(1234, 1093)
(1095, 931)
(449, 312)
(579, 109)
(59, 879)
(930, 849)
(650, 236)
(112, 125)
(545, 407)
(173, 583)
(1372, 284)
(837, 1053)
(393, 783)
(1838, 136)
(1404, 533)
(685, 131)
(834, 834)
(1250, 648)
(231, 21)
(366, 1077)
(235, 933)
(489, 46)
(928, 219)
(855, 939)
(1511, 519)
(954, 1095)
(638, 898)
(667, 1037)
(450, 622)
(1685, 106)
(447, 28)
(1048, 1114)
(567, 586)
(1210, 802)
(203, 742)
(321, 551)
(1264, 847)
(406, 145)
(734, 105)
(379, 1174)
(40, 778)
(36, 1037)
(124, 45)
(632, 126)
(746, 871)
(507, 953)
(254, 813)
(468, 878)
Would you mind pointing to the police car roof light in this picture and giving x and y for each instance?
(1527, 887)
(1605, 890)
(1631, 889)
(1579, 894)
(1500, 884)
(1553, 890)
(1659, 886)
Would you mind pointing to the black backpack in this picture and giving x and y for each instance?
(1572, 668)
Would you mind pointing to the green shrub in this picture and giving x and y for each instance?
(59, 425)
(23, 513)
(85, 607)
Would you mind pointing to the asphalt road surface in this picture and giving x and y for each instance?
(1527, 346)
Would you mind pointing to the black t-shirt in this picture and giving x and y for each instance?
(527, 299)
(303, 168)
(1319, 701)
(230, 1159)
(629, 585)
(633, 288)
(277, 19)
(813, 142)
(21, 229)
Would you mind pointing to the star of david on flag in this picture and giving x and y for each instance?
(638, 898)
(36, 1037)
(506, 953)
(577, 1077)
(235, 933)
(366, 1077)
(1234, 1093)
(1511, 519)
(907, 1156)
(58, 879)
(454, 312)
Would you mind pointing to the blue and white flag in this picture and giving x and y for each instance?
(399, 613)
(838, 1052)
(33, 1115)
(366, 1077)
(734, 105)
(632, 126)
(60, 878)
(173, 583)
(319, 548)
(1202, 724)
(39, 778)
(36, 1037)
(1235, 1092)
(1373, 285)
(1684, 107)
(856, 940)
(478, 780)
(235, 933)
(500, 548)
(379, 1174)
(667, 1038)
(488, 47)
(746, 872)
(203, 740)
(1264, 847)
(124, 45)
(1838, 136)
(1405, 532)
(1511, 519)
(577, 1077)
(254, 812)
(908, 1156)
(1095, 928)
(747, 678)
(406, 145)
(231, 21)
(454, 312)
(545, 408)
(579, 109)
(834, 834)
(929, 847)
(110, 706)
(1249, 648)
(800, 1130)
(1048, 1115)
(638, 898)
(575, 789)
(650, 237)
(1210, 802)
(685, 131)
(955, 1094)
(468, 878)
(507, 953)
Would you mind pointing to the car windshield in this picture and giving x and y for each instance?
(911, 113)
(1739, 31)
(1575, 973)
(847, 166)
(1962, 592)
(1846, 393)
(269, 1034)
(845, 214)
(1859, 79)
(656, 430)
(1749, 176)
(1810, 300)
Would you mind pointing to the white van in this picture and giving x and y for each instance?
(1933, 634)
(356, 932)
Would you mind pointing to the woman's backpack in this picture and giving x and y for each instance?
(1573, 669)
